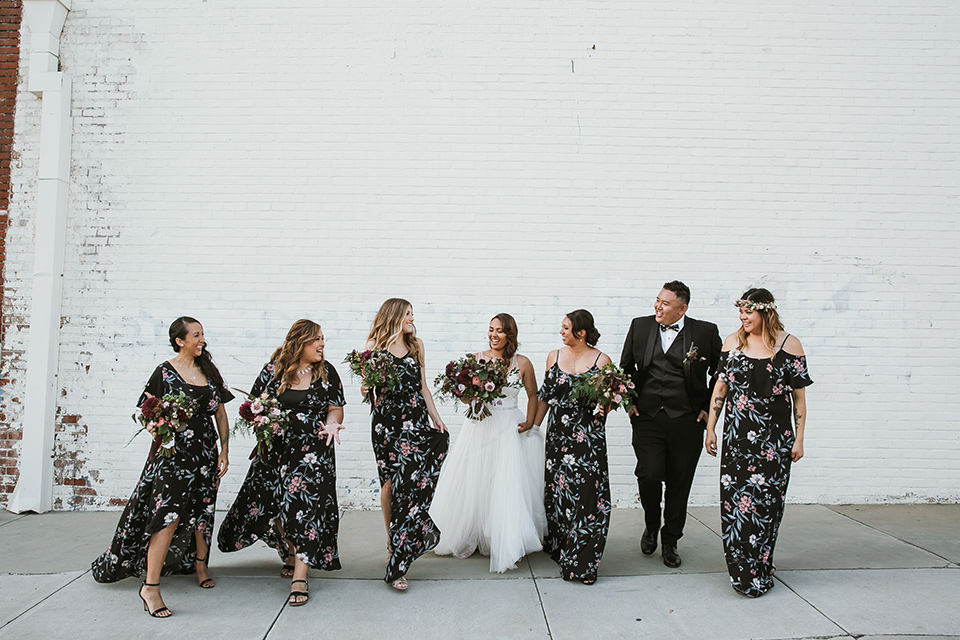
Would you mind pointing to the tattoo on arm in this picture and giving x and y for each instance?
(718, 405)
(797, 416)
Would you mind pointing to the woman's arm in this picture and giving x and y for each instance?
(427, 396)
(223, 428)
(799, 421)
(716, 407)
(543, 407)
(529, 378)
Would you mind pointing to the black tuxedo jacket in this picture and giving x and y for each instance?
(698, 370)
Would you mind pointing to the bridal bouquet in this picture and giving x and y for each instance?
(376, 369)
(609, 387)
(264, 417)
(164, 417)
(475, 382)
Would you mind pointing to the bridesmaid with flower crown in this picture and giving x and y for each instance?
(289, 497)
(167, 524)
(409, 452)
(762, 378)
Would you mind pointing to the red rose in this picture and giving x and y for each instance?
(150, 407)
(245, 412)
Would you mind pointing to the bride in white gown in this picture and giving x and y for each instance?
(490, 493)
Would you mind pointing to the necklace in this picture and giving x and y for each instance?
(576, 359)
(309, 368)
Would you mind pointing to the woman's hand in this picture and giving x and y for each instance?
(439, 426)
(523, 427)
(332, 431)
(710, 442)
(222, 462)
(364, 391)
(797, 451)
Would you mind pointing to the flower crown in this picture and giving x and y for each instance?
(752, 305)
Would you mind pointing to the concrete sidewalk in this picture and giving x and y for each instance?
(872, 571)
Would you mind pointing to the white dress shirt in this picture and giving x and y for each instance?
(667, 337)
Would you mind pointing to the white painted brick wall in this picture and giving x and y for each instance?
(251, 166)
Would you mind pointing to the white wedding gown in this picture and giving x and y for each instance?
(490, 492)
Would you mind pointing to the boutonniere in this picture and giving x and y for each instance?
(692, 355)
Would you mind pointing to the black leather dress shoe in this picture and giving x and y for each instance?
(648, 542)
(670, 556)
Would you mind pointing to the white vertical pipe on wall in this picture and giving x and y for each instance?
(44, 19)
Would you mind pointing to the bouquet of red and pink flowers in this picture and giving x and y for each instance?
(475, 382)
(265, 417)
(610, 388)
(164, 417)
(376, 370)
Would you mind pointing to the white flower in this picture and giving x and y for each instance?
(414, 510)
(725, 480)
(188, 433)
(753, 540)
(408, 425)
(757, 479)
(170, 517)
(310, 458)
(568, 459)
(752, 436)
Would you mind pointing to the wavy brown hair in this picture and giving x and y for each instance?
(772, 325)
(388, 328)
(510, 331)
(286, 359)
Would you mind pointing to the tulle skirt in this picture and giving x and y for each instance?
(490, 492)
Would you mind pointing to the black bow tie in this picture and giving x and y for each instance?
(670, 327)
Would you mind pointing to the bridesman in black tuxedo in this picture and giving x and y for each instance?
(671, 358)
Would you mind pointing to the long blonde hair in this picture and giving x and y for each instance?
(286, 358)
(767, 308)
(388, 327)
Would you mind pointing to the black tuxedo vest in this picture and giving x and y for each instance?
(663, 385)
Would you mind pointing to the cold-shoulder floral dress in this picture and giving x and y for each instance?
(182, 487)
(755, 461)
(577, 483)
(294, 484)
(409, 455)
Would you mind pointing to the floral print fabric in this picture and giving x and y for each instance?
(181, 487)
(577, 491)
(409, 455)
(294, 484)
(755, 461)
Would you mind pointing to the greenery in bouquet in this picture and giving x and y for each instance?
(377, 372)
(163, 417)
(610, 388)
(264, 417)
(475, 382)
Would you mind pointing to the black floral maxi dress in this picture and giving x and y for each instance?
(182, 487)
(577, 483)
(409, 455)
(755, 461)
(294, 484)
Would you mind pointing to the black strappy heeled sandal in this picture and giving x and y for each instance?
(155, 614)
(298, 594)
(208, 583)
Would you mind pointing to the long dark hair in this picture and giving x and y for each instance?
(178, 329)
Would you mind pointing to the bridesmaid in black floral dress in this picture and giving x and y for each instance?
(761, 369)
(168, 522)
(289, 497)
(577, 491)
(409, 452)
